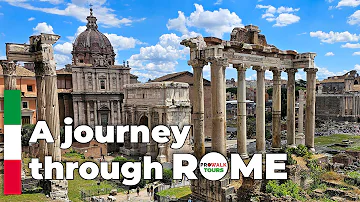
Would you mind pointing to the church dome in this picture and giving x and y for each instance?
(92, 46)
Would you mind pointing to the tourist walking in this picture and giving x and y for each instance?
(128, 196)
(138, 191)
(148, 190)
(151, 190)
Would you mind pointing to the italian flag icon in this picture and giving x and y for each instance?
(12, 142)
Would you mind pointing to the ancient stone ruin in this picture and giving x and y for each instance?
(246, 48)
(40, 52)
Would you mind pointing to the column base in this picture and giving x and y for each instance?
(300, 139)
(261, 152)
(311, 149)
(244, 156)
(161, 159)
(291, 146)
(275, 150)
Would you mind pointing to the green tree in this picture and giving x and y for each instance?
(232, 90)
(26, 132)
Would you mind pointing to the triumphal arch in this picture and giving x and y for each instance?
(247, 48)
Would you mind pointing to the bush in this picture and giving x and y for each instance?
(289, 188)
(122, 160)
(26, 132)
(300, 151)
(315, 173)
(167, 176)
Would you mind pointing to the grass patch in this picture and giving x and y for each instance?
(178, 192)
(338, 138)
(22, 197)
(78, 184)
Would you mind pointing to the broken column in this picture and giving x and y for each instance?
(310, 107)
(241, 110)
(290, 116)
(198, 107)
(218, 137)
(276, 109)
(260, 109)
(300, 138)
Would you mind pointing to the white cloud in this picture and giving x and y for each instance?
(31, 19)
(283, 16)
(78, 31)
(356, 53)
(324, 73)
(329, 54)
(354, 18)
(351, 45)
(349, 3)
(157, 60)
(178, 24)
(43, 27)
(2, 57)
(61, 60)
(64, 48)
(122, 43)
(207, 20)
(357, 67)
(79, 10)
(286, 19)
(218, 2)
(333, 37)
(53, 1)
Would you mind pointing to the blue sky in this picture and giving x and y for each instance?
(147, 32)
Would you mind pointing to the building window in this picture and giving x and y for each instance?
(81, 61)
(29, 88)
(102, 85)
(25, 105)
(25, 120)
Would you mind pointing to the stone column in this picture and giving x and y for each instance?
(300, 134)
(218, 137)
(76, 114)
(290, 116)
(241, 110)
(276, 109)
(95, 113)
(112, 112)
(118, 113)
(310, 108)
(52, 102)
(88, 113)
(162, 157)
(198, 107)
(260, 109)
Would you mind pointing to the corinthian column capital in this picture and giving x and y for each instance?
(9, 68)
(259, 68)
(223, 62)
(197, 63)
(240, 67)
(291, 71)
(310, 70)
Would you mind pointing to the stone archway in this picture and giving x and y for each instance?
(144, 120)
